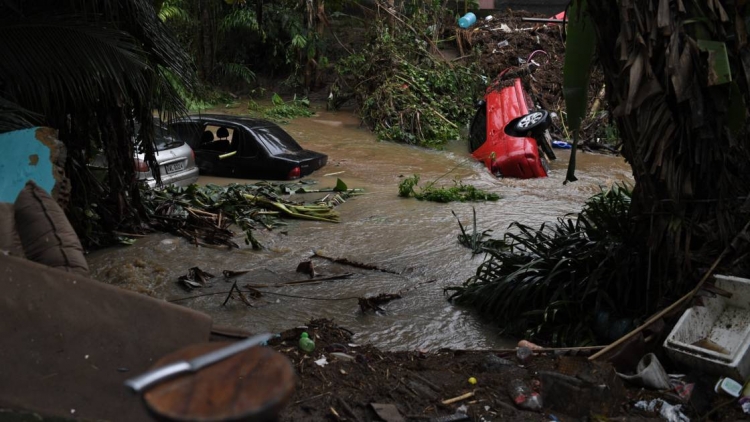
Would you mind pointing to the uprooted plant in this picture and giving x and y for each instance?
(569, 283)
(458, 192)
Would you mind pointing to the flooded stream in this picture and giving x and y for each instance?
(416, 239)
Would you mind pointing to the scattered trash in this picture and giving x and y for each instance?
(561, 145)
(342, 356)
(649, 373)
(322, 361)
(714, 337)
(582, 389)
(523, 397)
(503, 43)
(488, 18)
(472, 381)
(683, 389)
(745, 407)
(524, 355)
(467, 20)
(671, 413)
(728, 386)
(306, 344)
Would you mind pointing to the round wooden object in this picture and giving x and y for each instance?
(252, 385)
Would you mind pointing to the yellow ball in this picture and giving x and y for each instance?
(472, 380)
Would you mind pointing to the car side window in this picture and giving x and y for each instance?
(217, 138)
(478, 129)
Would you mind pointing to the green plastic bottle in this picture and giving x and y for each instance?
(305, 343)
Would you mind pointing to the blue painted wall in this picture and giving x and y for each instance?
(23, 157)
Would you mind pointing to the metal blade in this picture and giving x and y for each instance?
(225, 352)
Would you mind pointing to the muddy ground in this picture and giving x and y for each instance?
(419, 384)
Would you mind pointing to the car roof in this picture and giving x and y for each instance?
(247, 122)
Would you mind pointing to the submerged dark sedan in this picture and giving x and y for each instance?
(243, 147)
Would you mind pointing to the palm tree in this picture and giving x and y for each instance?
(678, 83)
(91, 69)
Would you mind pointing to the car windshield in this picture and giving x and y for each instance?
(276, 139)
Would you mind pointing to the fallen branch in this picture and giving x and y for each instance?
(459, 398)
(345, 261)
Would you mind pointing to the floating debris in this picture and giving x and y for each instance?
(204, 214)
(194, 279)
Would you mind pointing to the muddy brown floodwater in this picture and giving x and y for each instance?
(416, 239)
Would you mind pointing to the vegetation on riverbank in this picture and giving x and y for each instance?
(555, 284)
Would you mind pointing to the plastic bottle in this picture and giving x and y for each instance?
(523, 397)
(305, 343)
(467, 20)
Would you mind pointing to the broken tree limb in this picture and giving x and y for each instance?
(459, 398)
(345, 261)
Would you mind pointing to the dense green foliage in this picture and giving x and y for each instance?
(568, 283)
(458, 192)
(233, 42)
(282, 111)
(404, 90)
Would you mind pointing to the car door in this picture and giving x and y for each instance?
(252, 159)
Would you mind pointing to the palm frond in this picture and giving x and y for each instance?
(240, 18)
(60, 64)
(236, 71)
(173, 10)
(14, 117)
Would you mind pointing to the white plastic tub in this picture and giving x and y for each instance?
(715, 338)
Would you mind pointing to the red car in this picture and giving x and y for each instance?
(507, 137)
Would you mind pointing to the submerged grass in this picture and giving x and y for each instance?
(565, 284)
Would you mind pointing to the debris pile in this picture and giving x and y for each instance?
(508, 44)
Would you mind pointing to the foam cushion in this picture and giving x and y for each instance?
(10, 242)
(46, 235)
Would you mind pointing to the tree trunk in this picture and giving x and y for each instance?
(685, 132)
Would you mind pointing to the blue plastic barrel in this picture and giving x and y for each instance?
(467, 20)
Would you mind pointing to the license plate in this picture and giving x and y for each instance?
(174, 167)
